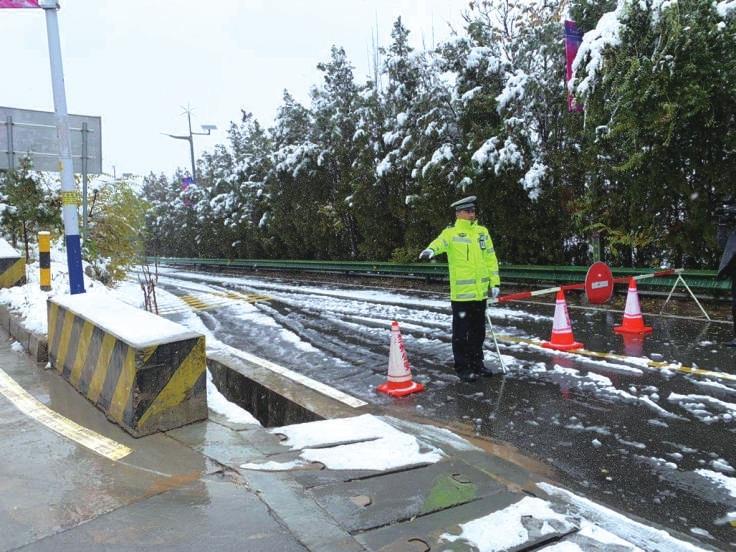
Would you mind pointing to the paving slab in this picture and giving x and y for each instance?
(204, 515)
(427, 529)
(377, 501)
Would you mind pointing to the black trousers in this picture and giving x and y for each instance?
(468, 334)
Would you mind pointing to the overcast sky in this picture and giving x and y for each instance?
(136, 62)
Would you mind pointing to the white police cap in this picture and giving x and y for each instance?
(464, 203)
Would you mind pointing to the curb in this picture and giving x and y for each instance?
(35, 344)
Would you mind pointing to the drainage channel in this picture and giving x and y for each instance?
(278, 397)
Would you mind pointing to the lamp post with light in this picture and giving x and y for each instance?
(189, 137)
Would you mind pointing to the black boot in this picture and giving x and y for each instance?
(467, 376)
(484, 371)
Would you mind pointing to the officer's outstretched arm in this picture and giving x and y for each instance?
(440, 244)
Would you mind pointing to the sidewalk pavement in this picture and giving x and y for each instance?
(186, 490)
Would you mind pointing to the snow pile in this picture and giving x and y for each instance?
(634, 533)
(698, 405)
(528, 519)
(217, 402)
(379, 446)
(137, 327)
(724, 482)
(7, 251)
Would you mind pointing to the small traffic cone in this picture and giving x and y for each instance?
(399, 382)
(562, 338)
(633, 322)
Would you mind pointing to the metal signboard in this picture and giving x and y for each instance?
(25, 132)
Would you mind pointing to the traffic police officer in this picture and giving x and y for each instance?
(473, 273)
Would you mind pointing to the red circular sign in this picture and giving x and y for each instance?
(598, 283)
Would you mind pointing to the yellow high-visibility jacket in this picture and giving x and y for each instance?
(471, 259)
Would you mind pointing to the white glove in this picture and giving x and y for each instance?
(426, 254)
(495, 292)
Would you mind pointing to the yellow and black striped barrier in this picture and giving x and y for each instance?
(44, 260)
(143, 388)
(12, 266)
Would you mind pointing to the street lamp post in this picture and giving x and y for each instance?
(189, 138)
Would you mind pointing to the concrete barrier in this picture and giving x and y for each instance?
(12, 266)
(144, 372)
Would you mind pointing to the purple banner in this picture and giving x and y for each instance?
(19, 4)
(573, 38)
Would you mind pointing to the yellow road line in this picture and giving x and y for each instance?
(212, 300)
(612, 356)
(33, 408)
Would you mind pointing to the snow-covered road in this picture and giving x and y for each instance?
(649, 440)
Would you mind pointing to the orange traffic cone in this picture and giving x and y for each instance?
(399, 382)
(633, 322)
(562, 338)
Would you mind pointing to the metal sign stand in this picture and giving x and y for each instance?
(681, 280)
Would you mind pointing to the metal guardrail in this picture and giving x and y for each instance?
(702, 282)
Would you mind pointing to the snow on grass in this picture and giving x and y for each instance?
(29, 302)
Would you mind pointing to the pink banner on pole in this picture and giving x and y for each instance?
(19, 4)
(573, 38)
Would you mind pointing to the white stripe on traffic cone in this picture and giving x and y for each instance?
(633, 322)
(399, 381)
(562, 337)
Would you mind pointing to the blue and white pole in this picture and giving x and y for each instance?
(69, 193)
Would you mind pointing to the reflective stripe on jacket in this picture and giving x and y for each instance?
(471, 259)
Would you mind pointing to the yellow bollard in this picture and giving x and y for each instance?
(44, 259)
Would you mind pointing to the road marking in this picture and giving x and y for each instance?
(621, 358)
(35, 409)
(211, 300)
(302, 379)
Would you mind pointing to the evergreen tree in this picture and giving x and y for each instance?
(32, 205)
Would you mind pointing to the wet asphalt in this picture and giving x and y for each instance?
(621, 435)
